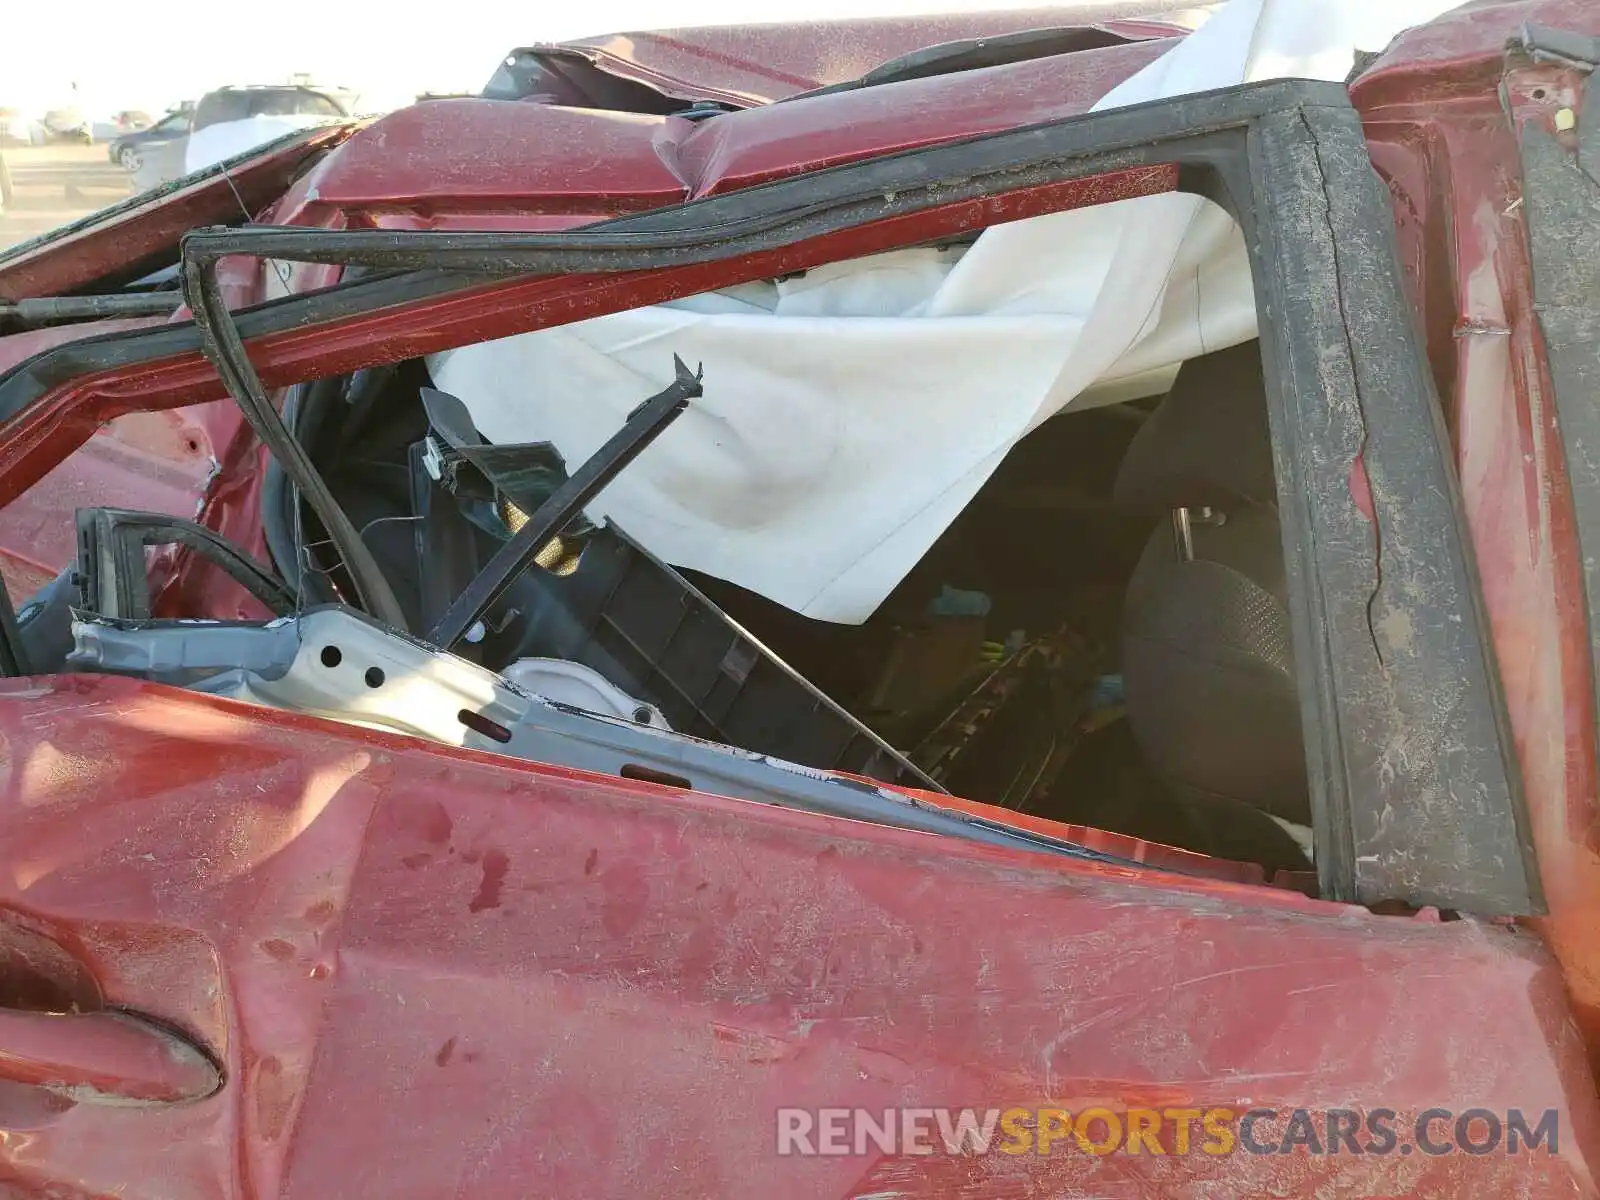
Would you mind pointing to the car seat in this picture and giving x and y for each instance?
(1207, 662)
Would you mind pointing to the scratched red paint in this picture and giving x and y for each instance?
(1361, 488)
(550, 1046)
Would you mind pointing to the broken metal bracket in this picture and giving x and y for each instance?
(643, 426)
(1541, 43)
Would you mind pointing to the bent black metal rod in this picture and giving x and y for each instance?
(45, 309)
(643, 426)
(222, 344)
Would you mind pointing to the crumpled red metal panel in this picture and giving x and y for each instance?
(430, 972)
(492, 164)
(151, 225)
(761, 63)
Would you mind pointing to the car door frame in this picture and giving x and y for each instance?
(1416, 793)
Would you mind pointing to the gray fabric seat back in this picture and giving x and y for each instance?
(1207, 660)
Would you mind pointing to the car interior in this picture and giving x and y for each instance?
(1113, 651)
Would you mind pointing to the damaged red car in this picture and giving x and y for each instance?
(993, 605)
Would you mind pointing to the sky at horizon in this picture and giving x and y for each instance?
(122, 56)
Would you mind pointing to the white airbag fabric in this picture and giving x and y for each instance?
(849, 415)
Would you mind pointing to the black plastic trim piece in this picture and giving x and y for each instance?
(14, 658)
(643, 426)
(112, 576)
(1541, 43)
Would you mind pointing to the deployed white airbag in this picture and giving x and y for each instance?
(850, 414)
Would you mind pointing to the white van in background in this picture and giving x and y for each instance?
(232, 120)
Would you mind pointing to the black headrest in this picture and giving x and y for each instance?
(1208, 443)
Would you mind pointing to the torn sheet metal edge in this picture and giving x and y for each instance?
(178, 651)
(333, 662)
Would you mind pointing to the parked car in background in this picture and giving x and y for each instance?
(163, 141)
(231, 120)
(109, 127)
(67, 125)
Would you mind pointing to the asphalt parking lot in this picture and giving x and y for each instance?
(57, 184)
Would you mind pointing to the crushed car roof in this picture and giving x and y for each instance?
(747, 65)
